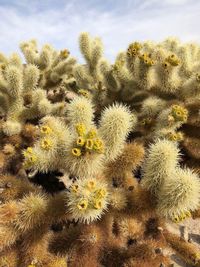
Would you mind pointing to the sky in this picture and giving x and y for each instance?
(117, 22)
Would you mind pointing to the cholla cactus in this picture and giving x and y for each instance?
(22, 95)
(87, 199)
(183, 189)
(80, 148)
(177, 190)
(90, 155)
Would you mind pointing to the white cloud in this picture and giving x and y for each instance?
(118, 23)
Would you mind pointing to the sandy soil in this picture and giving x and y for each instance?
(189, 229)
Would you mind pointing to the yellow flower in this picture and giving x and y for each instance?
(83, 204)
(31, 265)
(165, 64)
(64, 53)
(89, 144)
(98, 144)
(46, 144)
(172, 137)
(29, 160)
(80, 141)
(28, 152)
(97, 204)
(198, 77)
(179, 113)
(133, 49)
(91, 185)
(92, 133)
(101, 193)
(32, 158)
(45, 129)
(180, 136)
(144, 56)
(182, 216)
(29, 149)
(148, 120)
(176, 219)
(173, 60)
(80, 129)
(143, 122)
(84, 93)
(188, 214)
(76, 152)
(74, 188)
(148, 61)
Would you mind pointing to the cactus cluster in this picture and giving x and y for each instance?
(97, 159)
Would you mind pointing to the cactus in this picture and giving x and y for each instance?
(97, 159)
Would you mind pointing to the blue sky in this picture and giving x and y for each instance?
(117, 22)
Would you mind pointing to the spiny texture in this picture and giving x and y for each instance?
(98, 159)
(160, 163)
(79, 148)
(87, 199)
(23, 91)
(183, 189)
(177, 190)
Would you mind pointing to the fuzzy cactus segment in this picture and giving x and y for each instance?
(87, 200)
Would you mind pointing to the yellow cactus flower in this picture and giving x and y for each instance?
(143, 122)
(133, 49)
(152, 62)
(30, 160)
(27, 152)
(165, 64)
(80, 141)
(101, 193)
(84, 93)
(98, 144)
(148, 61)
(144, 56)
(91, 185)
(89, 144)
(45, 129)
(148, 120)
(29, 149)
(182, 216)
(76, 152)
(180, 136)
(83, 204)
(131, 52)
(92, 133)
(198, 77)
(173, 60)
(172, 137)
(64, 53)
(97, 204)
(74, 188)
(46, 144)
(80, 129)
(179, 113)
(188, 214)
(176, 219)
